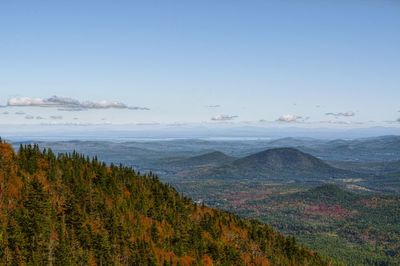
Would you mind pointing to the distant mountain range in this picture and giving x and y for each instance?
(385, 148)
(190, 158)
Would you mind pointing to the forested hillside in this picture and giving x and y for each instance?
(355, 228)
(73, 210)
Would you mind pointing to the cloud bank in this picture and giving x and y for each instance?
(69, 104)
(289, 118)
(345, 114)
(56, 117)
(224, 117)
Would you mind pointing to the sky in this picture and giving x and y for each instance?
(304, 63)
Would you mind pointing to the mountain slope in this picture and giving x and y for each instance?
(279, 163)
(72, 210)
(214, 158)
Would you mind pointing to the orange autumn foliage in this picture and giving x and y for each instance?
(74, 210)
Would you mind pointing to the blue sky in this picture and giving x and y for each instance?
(303, 62)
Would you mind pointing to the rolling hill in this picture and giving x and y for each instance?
(278, 163)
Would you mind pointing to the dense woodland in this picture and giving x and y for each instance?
(356, 228)
(69, 209)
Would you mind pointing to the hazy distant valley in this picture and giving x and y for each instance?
(340, 197)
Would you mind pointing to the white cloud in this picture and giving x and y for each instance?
(345, 114)
(340, 122)
(103, 105)
(138, 108)
(224, 117)
(25, 101)
(71, 109)
(70, 104)
(289, 118)
(148, 124)
(214, 106)
(177, 124)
